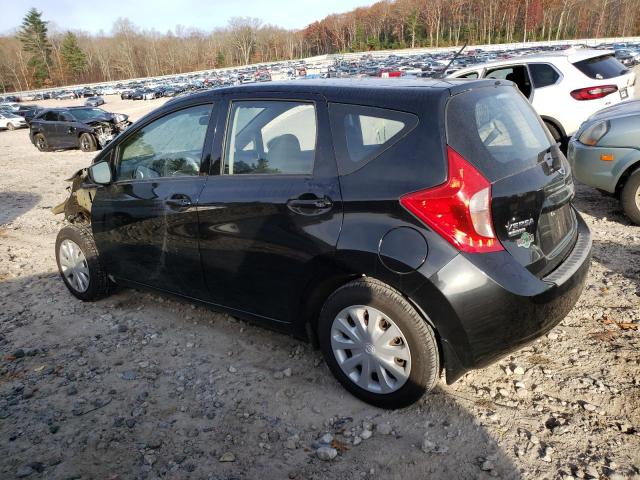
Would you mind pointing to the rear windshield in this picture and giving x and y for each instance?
(601, 68)
(497, 130)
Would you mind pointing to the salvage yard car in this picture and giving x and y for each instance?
(11, 121)
(406, 227)
(565, 87)
(605, 154)
(85, 128)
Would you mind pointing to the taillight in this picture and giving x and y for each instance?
(459, 209)
(593, 93)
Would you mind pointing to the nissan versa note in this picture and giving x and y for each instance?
(405, 226)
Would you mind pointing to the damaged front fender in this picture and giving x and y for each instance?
(106, 131)
(77, 207)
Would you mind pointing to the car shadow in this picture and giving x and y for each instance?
(15, 204)
(599, 205)
(142, 385)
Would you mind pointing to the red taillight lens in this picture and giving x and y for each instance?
(593, 93)
(459, 209)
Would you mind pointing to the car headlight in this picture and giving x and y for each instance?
(593, 134)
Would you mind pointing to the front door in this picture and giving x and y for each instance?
(273, 212)
(66, 131)
(145, 223)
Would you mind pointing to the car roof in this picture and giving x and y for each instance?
(571, 54)
(382, 91)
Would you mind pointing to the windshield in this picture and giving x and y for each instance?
(497, 130)
(83, 114)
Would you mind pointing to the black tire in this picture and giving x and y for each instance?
(99, 284)
(558, 137)
(87, 142)
(11, 126)
(630, 197)
(425, 358)
(41, 142)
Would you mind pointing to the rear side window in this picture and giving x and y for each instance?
(50, 116)
(601, 68)
(543, 74)
(496, 130)
(362, 133)
(270, 137)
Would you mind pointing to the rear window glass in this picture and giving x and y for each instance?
(496, 130)
(601, 68)
(362, 133)
(543, 74)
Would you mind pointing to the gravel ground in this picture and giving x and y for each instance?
(141, 386)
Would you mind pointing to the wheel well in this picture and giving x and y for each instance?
(623, 178)
(318, 293)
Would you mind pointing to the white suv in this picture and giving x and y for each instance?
(565, 88)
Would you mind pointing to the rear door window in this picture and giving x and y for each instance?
(496, 130)
(543, 74)
(270, 137)
(601, 68)
(362, 133)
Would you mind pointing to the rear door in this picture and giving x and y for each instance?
(271, 211)
(145, 223)
(531, 185)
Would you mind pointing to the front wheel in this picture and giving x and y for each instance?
(630, 197)
(79, 264)
(87, 142)
(377, 345)
(11, 126)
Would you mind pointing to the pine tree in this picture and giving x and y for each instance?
(74, 59)
(33, 36)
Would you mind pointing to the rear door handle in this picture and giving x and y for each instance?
(178, 201)
(310, 206)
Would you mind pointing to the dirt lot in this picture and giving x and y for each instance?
(141, 386)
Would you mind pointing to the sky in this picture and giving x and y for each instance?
(162, 15)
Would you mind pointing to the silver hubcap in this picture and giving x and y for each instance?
(370, 349)
(74, 265)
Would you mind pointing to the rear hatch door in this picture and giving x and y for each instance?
(496, 130)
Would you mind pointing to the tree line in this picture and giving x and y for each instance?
(36, 56)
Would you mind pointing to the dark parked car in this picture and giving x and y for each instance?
(27, 112)
(94, 101)
(86, 128)
(396, 224)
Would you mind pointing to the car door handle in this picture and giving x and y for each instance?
(310, 206)
(178, 201)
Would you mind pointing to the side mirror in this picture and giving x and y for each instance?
(100, 173)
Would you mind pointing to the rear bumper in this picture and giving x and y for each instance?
(490, 305)
(587, 167)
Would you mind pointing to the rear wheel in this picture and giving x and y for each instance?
(557, 136)
(41, 142)
(79, 264)
(377, 345)
(87, 142)
(630, 197)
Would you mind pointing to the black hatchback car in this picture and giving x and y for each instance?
(406, 226)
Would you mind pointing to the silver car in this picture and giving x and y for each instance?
(605, 154)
